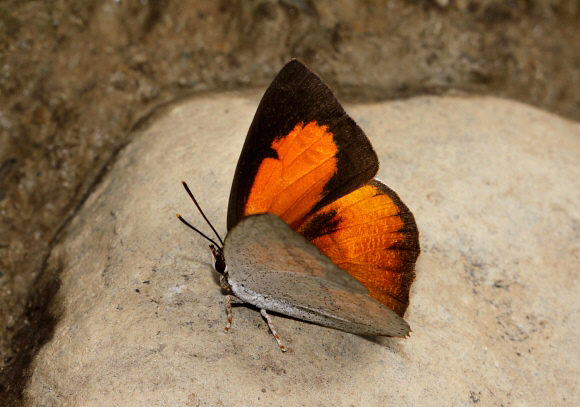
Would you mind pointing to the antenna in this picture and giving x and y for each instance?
(197, 230)
(202, 214)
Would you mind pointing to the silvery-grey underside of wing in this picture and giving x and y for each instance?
(275, 268)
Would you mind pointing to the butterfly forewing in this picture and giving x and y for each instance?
(302, 151)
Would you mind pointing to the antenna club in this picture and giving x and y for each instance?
(178, 215)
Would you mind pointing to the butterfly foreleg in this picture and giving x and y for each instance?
(230, 299)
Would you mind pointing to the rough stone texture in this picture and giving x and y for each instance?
(495, 311)
(76, 77)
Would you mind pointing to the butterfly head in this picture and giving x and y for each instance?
(219, 262)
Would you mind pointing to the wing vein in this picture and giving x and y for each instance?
(306, 149)
(366, 223)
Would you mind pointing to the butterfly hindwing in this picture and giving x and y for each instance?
(275, 268)
(372, 235)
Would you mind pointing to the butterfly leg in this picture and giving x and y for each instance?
(224, 283)
(271, 325)
(230, 299)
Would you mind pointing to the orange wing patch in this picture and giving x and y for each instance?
(306, 162)
(372, 235)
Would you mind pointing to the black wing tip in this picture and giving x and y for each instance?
(295, 61)
(297, 68)
(294, 65)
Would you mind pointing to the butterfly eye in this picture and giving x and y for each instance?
(219, 262)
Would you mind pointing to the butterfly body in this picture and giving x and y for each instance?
(311, 233)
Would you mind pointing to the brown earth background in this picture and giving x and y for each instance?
(78, 78)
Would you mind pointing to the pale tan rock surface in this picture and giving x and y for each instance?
(495, 309)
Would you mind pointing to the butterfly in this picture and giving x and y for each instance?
(311, 233)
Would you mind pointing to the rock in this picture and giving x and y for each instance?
(495, 311)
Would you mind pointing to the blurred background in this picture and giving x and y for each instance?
(78, 78)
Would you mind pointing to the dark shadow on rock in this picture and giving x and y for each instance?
(391, 343)
(36, 330)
